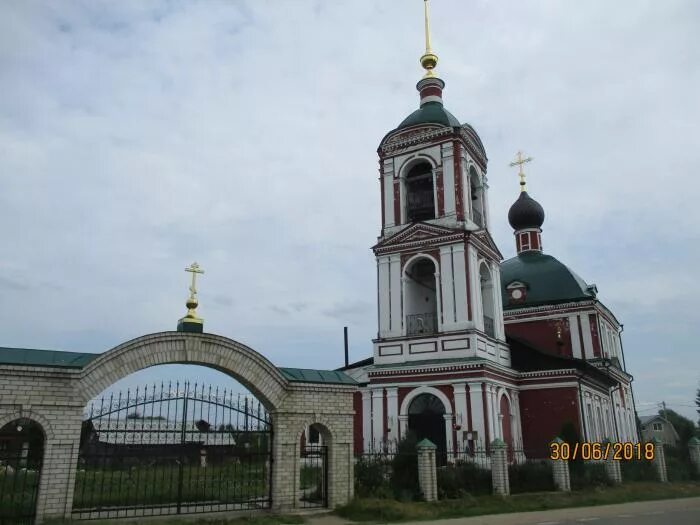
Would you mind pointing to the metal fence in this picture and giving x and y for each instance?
(173, 449)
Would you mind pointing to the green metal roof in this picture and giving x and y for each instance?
(430, 113)
(306, 375)
(53, 358)
(548, 281)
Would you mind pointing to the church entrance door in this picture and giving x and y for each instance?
(426, 420)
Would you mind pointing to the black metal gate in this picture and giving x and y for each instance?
(313, 476)
(21, 455)
(173, 449)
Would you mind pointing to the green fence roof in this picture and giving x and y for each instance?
(53, 358)
(60, 359)
(306, 375)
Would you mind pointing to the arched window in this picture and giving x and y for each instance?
(477, 206)
(420, 297)
(487, 300)
(420, 201)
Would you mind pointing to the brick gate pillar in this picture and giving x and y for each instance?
(59, 466)
(285, 462)
(499, 468)
(427, 472)
(612, 465)
(694, 449)
(659, 460)
(560, 471)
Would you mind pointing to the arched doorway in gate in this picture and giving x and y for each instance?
(153, 446)
(21, 456)
(426, 419)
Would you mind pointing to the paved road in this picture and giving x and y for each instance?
(684, 511)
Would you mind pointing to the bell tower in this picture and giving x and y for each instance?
(437, 265)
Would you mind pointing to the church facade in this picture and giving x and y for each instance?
(470, 347)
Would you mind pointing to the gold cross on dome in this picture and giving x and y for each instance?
(194, 269)
(520, 160)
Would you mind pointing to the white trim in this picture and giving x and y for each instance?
(403, 411)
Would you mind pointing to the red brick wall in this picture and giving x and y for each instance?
(357, 426)
(543, 413)
(543, 334)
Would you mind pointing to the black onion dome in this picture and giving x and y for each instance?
(526, 212)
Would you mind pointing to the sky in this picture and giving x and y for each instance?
(137, 137)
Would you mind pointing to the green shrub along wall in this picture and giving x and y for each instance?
(456, 481)
(532, 476)
(585, 475)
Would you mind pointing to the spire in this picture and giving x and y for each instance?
(429, 60)
(430, 86)
(526, 215)
(192, 323)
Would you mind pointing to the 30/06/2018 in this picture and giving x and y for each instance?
(596, 451)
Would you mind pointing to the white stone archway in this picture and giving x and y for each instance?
(406, 403)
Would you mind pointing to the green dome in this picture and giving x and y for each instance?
(548, 281)
(430, 113)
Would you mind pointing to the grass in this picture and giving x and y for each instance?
(159, 485)
(382, 510)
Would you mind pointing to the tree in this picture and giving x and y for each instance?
(685, 428)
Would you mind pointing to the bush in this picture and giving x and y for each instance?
(462, 479)
(637, 470)
(532, 476)
(404, 470)
(678, 464)
(586, 475)
(371, 477)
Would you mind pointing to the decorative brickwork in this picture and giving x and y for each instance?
(55, 398)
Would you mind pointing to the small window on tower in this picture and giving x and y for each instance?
(420, 201)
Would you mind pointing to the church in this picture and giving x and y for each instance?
(471, 347)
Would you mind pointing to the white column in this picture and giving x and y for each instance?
(447, 291)
(392, 413)
(403, 426)
(448, 179)
(515, 410)
(377, 417)
(383, 285)
(476, 401)
(448, 433)
(490, 412)
(499, 330)
(395, 295)
(461, 414)
(388, 178)
(459, 281)
(496, 411)
(475, 295)
(438, 298)
(366, 420)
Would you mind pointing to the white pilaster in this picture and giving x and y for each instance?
(449, 445)
(395, 292)
(461, 414)
(383, 283)
(575, 337)
(377, 417)
(587, 339)
(447, 281)
(403, 426)
(476, 401)
(459, 281)
(392, 413)
(366, 420)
